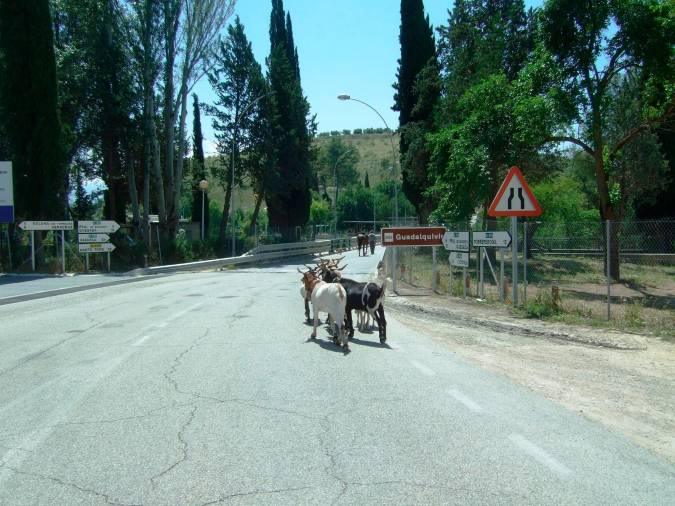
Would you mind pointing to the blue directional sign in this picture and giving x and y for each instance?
(6, 193)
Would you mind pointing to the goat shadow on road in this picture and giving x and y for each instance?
(329, 345)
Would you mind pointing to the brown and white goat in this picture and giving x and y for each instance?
(328, 297)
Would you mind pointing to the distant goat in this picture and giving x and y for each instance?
(328, 297)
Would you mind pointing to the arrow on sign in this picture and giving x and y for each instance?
(84, 238)
(46, 225)
(97, 227)
(500, 239)
(456, 241)
(97, 247)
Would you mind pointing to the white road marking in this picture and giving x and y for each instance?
(158, 326)
(459, 396)
(539, 455)
(423, 368)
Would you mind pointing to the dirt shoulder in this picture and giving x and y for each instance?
(624, 381)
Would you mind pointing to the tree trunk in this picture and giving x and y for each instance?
(222, 234)
(133, 196)
(180, 162)
(256, 210)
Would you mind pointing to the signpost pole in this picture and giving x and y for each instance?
(524, 262)
(63, 252)
(32, 248)
(464, 281)
(481, 286)
(433, 269)
(501, 275)
(609, 279)
(86, 262)
(514, 258)
(394, 251)
(9, 249)
(108, 261)
(450, 280)
(159, 245)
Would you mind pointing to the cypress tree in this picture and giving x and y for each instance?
(366, 182)
(417, 91)
(198, 166)
(288, 196)
(29, 100)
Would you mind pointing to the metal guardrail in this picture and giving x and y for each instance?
(261, 253)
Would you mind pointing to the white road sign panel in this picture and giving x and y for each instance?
(46, 225)
(500, 239)
(83, 238)
(6, 193)
(456, 241)
(97, 227)
(459, 259)
(97, 247)
(153, 218)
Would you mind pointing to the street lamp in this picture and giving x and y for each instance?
(393, 150)
(203, 186)
(336, 184)
(234, 141)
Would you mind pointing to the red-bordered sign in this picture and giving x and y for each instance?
(413, 236)
(514, 197)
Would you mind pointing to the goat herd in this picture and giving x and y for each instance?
(331, 293)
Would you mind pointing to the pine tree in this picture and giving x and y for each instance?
(288, 195)
(29, 100)
(198, 166)
(417, 91)
(366, 182)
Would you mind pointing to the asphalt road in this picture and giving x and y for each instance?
(205, 389)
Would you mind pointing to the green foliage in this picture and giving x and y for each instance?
(320, 213)
(543, 306)
(337, 158)
(562, 200)
(29, 101)
(288, 193)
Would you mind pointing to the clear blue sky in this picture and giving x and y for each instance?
(344, 46)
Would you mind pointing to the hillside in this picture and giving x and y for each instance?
(375, 157)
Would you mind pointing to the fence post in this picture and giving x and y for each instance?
(32, 248)
(608, 227)
(433, 268)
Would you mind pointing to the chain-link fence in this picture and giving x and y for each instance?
(586, 271)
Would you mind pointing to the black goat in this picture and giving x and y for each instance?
(361, 296)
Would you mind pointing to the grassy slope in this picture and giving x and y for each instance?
(373, 148)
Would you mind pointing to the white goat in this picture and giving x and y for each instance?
(331, 298)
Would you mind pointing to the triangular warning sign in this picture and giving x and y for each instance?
(514, 197)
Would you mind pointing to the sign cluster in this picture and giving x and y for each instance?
(92, 236)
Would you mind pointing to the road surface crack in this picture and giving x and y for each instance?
(184, 448)
(105, 497)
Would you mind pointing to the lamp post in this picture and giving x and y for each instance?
(336, 185)
(203, 186)
(393, 150)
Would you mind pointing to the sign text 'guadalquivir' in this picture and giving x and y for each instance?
(413, 236)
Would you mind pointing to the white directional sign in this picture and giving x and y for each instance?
(97, 247)
(456, 241)
(514, 197)
(153, 218)
(46, 225)
(6, 193)
(497, 239)
(97, 227)
(93, 238)
(459, 259)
